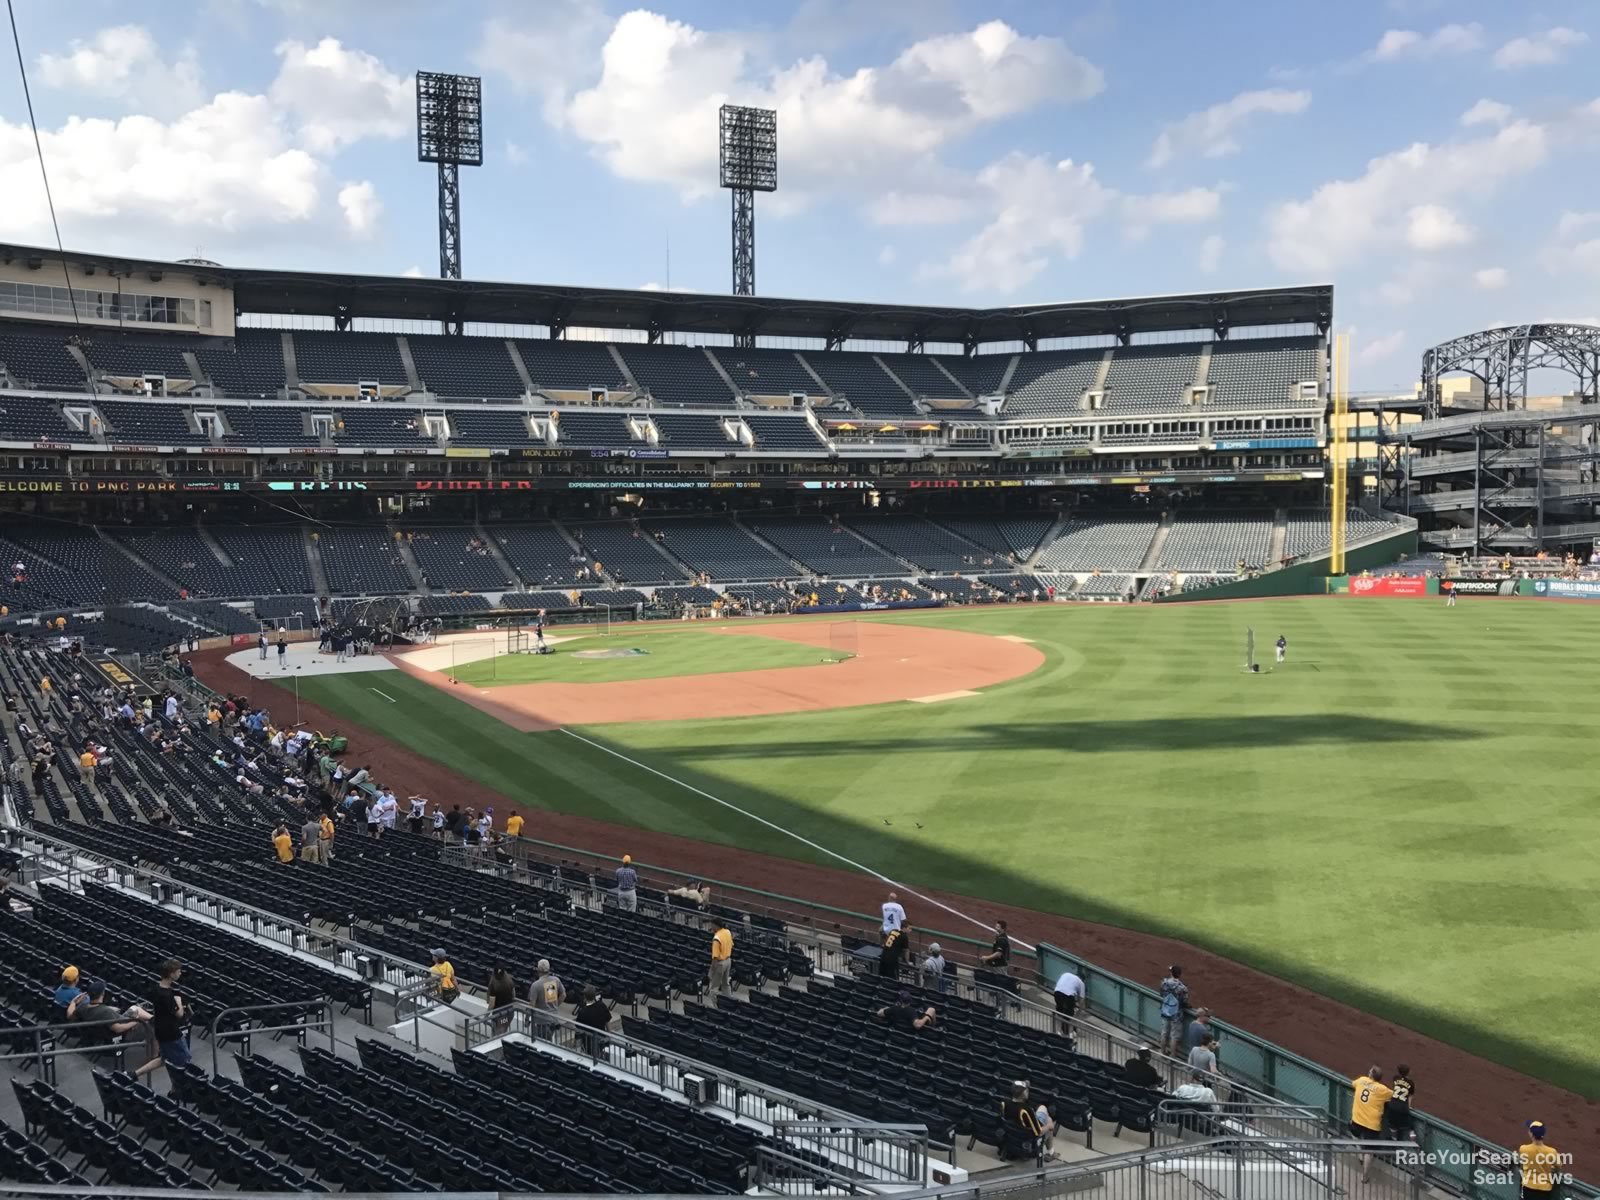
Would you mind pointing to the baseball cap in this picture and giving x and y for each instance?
(626, 859)
(1536, 1128)
(69, 975)
(933, 948)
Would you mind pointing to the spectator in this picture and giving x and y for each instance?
(90, 1009)
(721, 959)
(999, 956)
(168, 1017)
(1366, 1111)
(67, 990)
(1204, 1056)
(502, 996)
(282, 844)
(325, 833)
(418, 813)
(902, 1015)
(452, 823)
(627, 885)
(547, 992)
(1196, 1091)
(696, 893)
(1198, 1030)
(1174, 1000)
(933, 969)
(311, 839)
(1397, 1112)
(514, 824)
(594, 1015)
(1140, 1071)
(1539, 1161)
(1069, 990)
(894, 915)
(894, 949)
(1020, 1135)
(444, 978)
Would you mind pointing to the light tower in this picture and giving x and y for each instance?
(450, 133)
(748, 139)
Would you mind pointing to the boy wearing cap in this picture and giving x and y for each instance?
(67, 990)
(1539, 1162)
(933, 969)
(627, 885)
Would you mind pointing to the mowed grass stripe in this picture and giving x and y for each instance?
(1406, 806)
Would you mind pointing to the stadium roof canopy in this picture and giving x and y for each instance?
(561, 307)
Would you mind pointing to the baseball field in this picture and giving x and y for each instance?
(1402, 817)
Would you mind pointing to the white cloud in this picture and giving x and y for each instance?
(234, 167)
(1540, 49)
(515, 154)
(1447, 39)
(886, 256)
(1491, 279)
(340, 95)
(920, 208)
(1487, 112)
(1345, 218)
(652, 115)
(361, 207)
(547, 54)
(1435, 227)
(1040, 209)
(124, 62)
(224, 166)
(412, 272)
(1212, 131)
(1211, 253)
(1571, 222)
(1190, 206)
(1381, 348)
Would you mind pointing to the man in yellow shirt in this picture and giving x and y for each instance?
(721, 959)
(514, 825)
(283, 844)
(325, 838)
(1539, 1162)
(1366, 1111)
(86, 761)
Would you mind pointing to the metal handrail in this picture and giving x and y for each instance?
(260, 917)
(244, 1033)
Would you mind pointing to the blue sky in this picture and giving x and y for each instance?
(1436, 161)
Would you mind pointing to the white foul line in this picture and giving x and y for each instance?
(385, 695)
(866, 870)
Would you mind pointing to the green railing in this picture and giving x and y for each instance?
(1451, 1157)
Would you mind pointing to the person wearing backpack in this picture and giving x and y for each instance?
(1174, 999)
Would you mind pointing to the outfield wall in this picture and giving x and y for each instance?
(1306, 577)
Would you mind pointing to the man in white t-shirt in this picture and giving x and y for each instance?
(893, 915)
(1195, 1091)
(1069, 990)
(418, 813)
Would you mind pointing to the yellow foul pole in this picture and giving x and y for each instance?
(1339, 449)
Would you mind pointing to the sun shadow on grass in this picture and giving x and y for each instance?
(1256, 731)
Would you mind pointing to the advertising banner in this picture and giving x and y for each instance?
(1499, 585)
(1388, 585)
(1562, 589)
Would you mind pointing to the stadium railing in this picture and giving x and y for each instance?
(1452, 1158)
(890, 1154)
(1233, 1168)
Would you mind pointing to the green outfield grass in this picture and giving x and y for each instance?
(670, 651)
(1403, 818)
